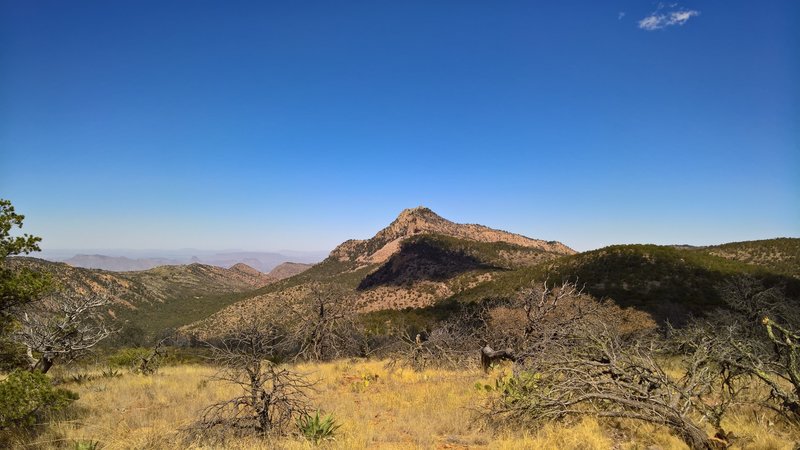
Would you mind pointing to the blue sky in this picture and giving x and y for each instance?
(275, 125)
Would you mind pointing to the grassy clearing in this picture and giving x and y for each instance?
(398, 409)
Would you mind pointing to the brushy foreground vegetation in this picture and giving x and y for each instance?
(376, 405)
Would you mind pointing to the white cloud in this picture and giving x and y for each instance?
(659, 18)
(680, 17)
(652, 22)
(620, 15)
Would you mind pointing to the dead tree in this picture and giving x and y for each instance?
(698, 346)
(272, 395)
(148, 364)
(449, 344)
(787, 346)
(62, 328)
(538, 317)
(599, 374)
(574, 355)
(324, 325)
(758, 336)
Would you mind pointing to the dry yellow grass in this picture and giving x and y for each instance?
(401, 409)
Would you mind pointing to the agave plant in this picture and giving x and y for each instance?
(317, 428)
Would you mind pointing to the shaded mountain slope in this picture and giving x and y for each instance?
(422, 260)
(404, 265)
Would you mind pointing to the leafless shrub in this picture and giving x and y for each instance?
(551, 312)
(272, 395)
(697, 346)
(520, 329)
(601, 374)
(758, 337)
(575, 355)
(450, 344)
(536, 318)
(61, 329)
(325, 325)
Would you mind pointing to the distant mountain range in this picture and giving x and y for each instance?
(262, 261)
(415, 272)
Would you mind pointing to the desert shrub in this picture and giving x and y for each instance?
(326, 326)
(25, 397)
(271, 396)
(513, 389)
(757, 338)
(577, 356)
(127, 357)
(317, 428)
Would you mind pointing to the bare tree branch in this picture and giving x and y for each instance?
(61, 329)
(598, 373)
(325, 325)
(272, 395)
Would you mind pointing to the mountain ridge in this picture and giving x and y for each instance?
(422, 220)
(262, 261)
(155, 299)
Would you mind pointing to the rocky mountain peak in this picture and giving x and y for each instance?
(415, 221)
(422, 220)
(418, 213)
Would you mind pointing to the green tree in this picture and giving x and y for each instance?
(17, 287)
(20, 285)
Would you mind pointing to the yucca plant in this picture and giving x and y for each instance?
(316, 428)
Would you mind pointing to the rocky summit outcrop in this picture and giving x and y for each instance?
(421, 220)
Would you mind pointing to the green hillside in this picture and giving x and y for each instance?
(670, 283)
(780, 255)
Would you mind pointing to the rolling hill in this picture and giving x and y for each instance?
(669, 283)
(780, 255)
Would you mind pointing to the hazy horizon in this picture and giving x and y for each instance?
(161, 125)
